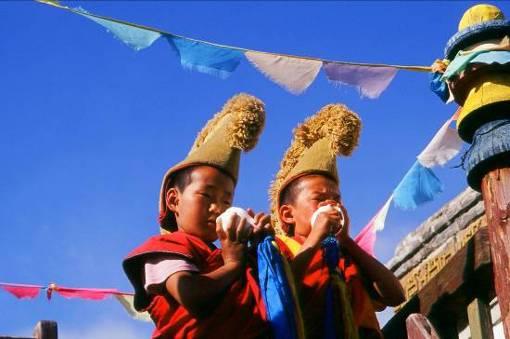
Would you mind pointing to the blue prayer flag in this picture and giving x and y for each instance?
(206, 58)
(418, 186)
(135, 37)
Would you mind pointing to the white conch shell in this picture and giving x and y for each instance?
(235, 211)
(326, 208)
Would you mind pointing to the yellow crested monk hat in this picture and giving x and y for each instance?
(235, 128)
(332, 131)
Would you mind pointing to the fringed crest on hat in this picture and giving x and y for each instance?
(332, 131)
(247, 118)
(235, 128)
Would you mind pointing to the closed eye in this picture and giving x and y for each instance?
(336, 197)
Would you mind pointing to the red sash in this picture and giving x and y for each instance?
(239, 312)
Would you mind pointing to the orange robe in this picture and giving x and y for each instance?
(312, 295)
(239, 312)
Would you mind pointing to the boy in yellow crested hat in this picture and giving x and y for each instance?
(308, 216)
(190, 287)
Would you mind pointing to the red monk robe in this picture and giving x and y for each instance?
(312, 295)
(238, 313)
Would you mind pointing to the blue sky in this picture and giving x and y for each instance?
(89, 126)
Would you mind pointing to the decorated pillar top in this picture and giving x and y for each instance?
(479, 23)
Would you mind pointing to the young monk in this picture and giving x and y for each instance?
(189, 287)
(306, 181)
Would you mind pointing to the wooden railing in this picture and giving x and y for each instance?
(461, 288)
(45, 329)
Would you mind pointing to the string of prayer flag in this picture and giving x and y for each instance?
(26, 291)
(22, 291)
(293, 73)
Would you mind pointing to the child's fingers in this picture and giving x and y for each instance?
(242, 230)
(331, 221)
(256, 218)
(219, 231)
(256, 229)
(263, 219)
(335, 228)
(268, 228)
(339, 231)
(250, 212)
(230, 226)
(334, 223)
(333, 214)
(345, 216)
(249, 233)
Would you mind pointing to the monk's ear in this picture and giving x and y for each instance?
(286, 214)
(172, 199)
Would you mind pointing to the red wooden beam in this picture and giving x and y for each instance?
(419, 327)
(496, 196)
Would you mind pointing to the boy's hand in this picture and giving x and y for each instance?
(233, 239)
(327, 222)
(343, 233)
(262, 225)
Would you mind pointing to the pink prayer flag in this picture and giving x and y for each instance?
(21, 291)
(367, 236)
(86, 293)
(456, 114)
(370, 80)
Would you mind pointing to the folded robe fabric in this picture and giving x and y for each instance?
(338, 315)
(282, 308)
(314, 290)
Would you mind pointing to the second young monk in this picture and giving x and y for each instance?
(307, 180)
(191, 288)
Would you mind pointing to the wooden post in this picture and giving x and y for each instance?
(419, 327)
(46, 329)
(479, 320)
(496, 196)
